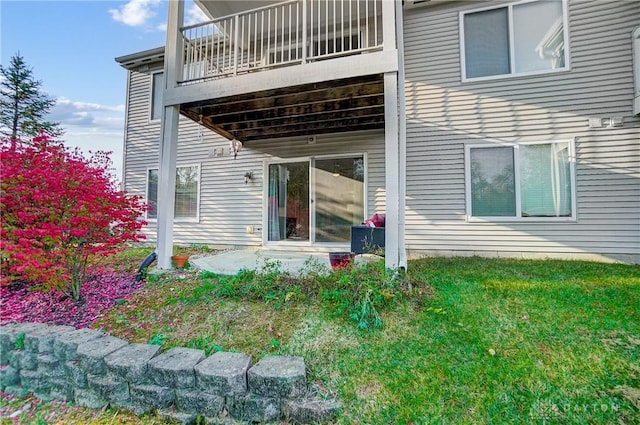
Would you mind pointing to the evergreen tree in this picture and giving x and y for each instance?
(23, 106)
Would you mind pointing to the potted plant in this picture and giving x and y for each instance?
(179, 259)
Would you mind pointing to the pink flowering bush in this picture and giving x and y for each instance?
(103, 289)
(60, 211)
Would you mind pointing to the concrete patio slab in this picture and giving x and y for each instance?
(294, 262)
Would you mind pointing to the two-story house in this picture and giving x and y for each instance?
(493, 128)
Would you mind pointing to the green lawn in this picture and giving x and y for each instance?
(503, 342)
(463, 341)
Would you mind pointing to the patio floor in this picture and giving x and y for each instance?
(294, 262)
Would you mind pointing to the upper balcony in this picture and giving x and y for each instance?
(290, 33)
(284, 69)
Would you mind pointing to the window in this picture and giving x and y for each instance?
(493, 190)
(187, 193)
(157, 85)
(521, 38)
(533, 180)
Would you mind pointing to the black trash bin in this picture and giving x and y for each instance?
(367, 240)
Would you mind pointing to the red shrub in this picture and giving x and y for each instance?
(60, 210)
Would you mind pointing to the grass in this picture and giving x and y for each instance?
(504, 342)
(462, 341)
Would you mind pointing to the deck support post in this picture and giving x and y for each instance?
(394, 179)
(169, 137)
(167, 185)
(391, 170)
(402, 139)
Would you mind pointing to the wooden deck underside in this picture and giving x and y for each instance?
(350, 104)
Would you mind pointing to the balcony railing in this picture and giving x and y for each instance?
(289, 33)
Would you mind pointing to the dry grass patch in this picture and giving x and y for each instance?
(166, 313)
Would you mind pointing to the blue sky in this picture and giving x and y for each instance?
(71, 46)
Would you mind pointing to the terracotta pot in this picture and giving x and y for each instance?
(340, 260)
(180, 260)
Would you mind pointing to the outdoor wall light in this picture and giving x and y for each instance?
(248, 176)
(236, 146)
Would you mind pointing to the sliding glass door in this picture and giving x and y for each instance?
(317, 200)
(339, 197)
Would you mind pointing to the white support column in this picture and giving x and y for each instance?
(394, 227)
(391, 171)
(389, 24)
(174, 49)
(402, 139)
(167, 185)
(169, 137)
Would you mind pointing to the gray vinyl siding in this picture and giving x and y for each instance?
(228, 205)
(444, 114)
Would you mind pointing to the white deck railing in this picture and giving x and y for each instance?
(288, 33)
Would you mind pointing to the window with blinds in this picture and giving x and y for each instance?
(187, 198)
(532, 180)
(522, 38)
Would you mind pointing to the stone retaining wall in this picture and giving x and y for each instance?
(181, 384)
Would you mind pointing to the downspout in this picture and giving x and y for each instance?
(145, 264)
(402, 137)
(123, 181)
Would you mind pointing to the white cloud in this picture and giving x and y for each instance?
(91, 127)
(195, 15)
(64, 102)
(140, 13)
(87, 114)
(135, 13)
(92, 140)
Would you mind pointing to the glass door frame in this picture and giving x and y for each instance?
(312, 194)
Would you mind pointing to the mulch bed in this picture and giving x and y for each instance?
(103, 289)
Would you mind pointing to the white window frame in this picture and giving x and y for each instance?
(153, 74)
(195, 219)
(516, 164)
(512, 74)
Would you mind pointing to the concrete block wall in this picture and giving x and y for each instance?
(96, 370)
